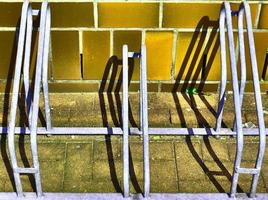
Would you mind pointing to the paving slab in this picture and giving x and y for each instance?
(78, 162)
(215, 149)
(94, 163)
(107, 150)
(107, 170)
(163, 176)
(197, 186)
(188, 159)
(250, 151)
(162, 151)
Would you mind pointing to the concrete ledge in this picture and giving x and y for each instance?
(110, 196)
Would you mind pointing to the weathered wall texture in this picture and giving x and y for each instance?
(87, 36)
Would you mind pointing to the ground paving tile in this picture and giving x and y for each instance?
(163, 176)
(107, 150)
(2, 184)
(76, 186)
(136, 186)
(52, 168)
(51, 151)
(264, 174)
(91, 186)
(78, 163)
(52, 183)
(5, 169)
(250, 151)
(157, 120)
(197, 186)
(214, 149)
(162, 151)
(136, 150)
(136, 172)
(107, 170)
(27, 184)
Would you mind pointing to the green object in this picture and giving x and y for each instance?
(191, 91)
(157, 137)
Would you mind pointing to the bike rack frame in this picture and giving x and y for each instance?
(32, 104)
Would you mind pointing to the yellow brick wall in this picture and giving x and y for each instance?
(87, 36)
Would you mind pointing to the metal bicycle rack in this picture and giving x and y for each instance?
(32, 104)
(225, 18)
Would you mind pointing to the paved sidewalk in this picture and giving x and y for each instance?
(94, 163)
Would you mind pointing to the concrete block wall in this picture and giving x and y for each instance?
(87, 36)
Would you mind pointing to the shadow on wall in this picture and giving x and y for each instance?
(203, 43)
(265, 66)
(203, 47)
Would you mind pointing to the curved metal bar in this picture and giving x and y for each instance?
(45, 69)
(223, 71)
(15, 94)
(242, 57)
(144, 120)
(125, 123)
(239, 141)
(225, 19)
(244, 8)
(26, 65)
(36, 98)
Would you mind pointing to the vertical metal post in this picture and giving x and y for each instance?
(141, 94)
(146, 173)
(125, 123)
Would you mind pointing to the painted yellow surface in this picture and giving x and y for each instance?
(65, 55)
(8, 53)
(96, 53)
(159, 55)
(128, 14)
(72, 15)
(264, 17)
(189, 55)
(197, 53)
(253, 11)
(133, 40)
(9, 14)
(63, 14)
(261, 43)
(187, 15)
(198, 56)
